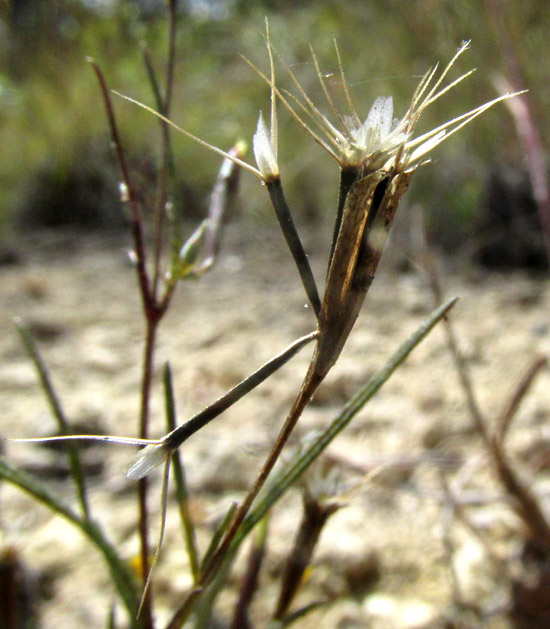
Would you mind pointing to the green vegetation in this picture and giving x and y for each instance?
(49, 105)
(213, 94)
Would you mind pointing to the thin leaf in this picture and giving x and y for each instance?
(121, 573)
(182, 494)
(57, 410)
(218, 534)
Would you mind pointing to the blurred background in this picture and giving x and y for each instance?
(57, 169)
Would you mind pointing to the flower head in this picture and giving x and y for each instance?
(380, 142)
(375, 139)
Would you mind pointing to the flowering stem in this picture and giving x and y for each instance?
(278, 200)
(147, 376)
(137, 227)
(174, 439)
(310, 385)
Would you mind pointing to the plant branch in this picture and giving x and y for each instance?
(297, 466)
(137, 223)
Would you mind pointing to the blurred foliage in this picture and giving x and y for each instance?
(50, 107)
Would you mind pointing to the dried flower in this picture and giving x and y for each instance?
(147, 459)
(376, 138)
(381, 141)
(264, 151)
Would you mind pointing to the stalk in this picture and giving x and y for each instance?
(309, 387)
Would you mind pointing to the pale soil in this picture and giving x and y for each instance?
(84, 307)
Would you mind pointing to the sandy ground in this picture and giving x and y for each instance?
(385, 557)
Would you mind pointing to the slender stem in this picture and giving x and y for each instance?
(277, 196)
(137, 223)
(218, 534)
(512, 405)
(167, 163)
(170, 65)
(175, 438)
(147, 378)
(251, 580)
(311, 383)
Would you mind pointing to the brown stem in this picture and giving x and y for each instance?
(526, 503)
(311, 383)
(517, 396)
(147, 378)
(313, 521)
(137, 223)
(250, 583)
(161, 196)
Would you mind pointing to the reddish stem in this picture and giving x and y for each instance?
(311, 383)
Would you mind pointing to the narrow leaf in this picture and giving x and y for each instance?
(182, 494)
(57, 410)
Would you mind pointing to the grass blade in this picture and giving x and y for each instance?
(120, 571)
(181, 485)
(218, 534)
(57, 410)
